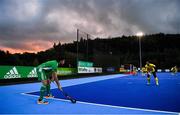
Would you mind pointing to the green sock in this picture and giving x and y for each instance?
(48, 89)
(156, 80)
(148, 79)
(42, 92)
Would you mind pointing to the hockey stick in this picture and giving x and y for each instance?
(68, 97)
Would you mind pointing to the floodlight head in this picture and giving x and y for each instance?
(139, 34)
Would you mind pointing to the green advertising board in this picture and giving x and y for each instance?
(10, 72)
(66, 71)
(85, 64)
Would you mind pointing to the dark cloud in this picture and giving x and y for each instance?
(57, 20)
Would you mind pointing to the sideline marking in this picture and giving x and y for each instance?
(104, 105)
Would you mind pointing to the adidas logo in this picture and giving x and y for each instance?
(13, 73)
(32, 74)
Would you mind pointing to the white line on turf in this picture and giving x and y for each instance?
(85, 82)
(128, 108)
(112, 106)
(25, 93)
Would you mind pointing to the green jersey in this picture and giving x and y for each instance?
(49, 64)
(45, 70)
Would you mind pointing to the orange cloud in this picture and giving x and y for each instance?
(30, 46)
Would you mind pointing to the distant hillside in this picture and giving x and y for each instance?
(161, 49)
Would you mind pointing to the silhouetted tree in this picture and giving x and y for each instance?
(162, 49)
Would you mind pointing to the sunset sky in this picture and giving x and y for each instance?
(34, 25)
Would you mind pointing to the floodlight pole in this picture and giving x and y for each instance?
(77, 58)
(140, 53)
(139, 35)
(87, 47)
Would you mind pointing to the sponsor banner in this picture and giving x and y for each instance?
(66, 71)
(85, 64)
(98, 70)
(159, 70)
(167, 70)
(163, 70)
(122, 70)
(32, 73)
(86, 70)
(11, 72)
(110, 69)
(89, 70)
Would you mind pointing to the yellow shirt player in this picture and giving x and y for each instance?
(174, 70)
(144, 71)
(150, 68)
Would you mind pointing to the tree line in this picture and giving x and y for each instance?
(160, 49)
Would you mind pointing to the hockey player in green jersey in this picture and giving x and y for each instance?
(47, 73)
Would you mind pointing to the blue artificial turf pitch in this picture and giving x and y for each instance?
(129, 91)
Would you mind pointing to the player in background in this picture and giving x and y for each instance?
(144, 71)
(151, 69)
(174, 70)
(134, 71)
(47, 73)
